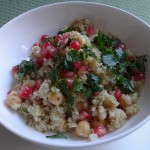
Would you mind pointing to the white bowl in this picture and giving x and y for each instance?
(18, 35)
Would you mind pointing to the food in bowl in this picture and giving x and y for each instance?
(80, 81)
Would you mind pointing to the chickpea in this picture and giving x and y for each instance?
(83, 129)
(56, 98)
(83, 106)
(13, 100)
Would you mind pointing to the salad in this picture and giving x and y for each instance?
(80, 81)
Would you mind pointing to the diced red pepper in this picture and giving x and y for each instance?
(90, 31)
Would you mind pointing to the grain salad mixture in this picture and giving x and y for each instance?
(80, 81)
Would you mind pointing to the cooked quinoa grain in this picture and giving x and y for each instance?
(80, 81)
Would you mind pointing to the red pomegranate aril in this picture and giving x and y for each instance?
(25, 92)
(82, 70)
(90, 31)
(84, 116)
(117, 94)
(38, 84)
(139, 76)
(43, 37)
(58, 37)
(77, 64)
(15, 69)
(46, 45)
(75, 45)
(70, 82)
(95, 94)
(100, 131)
(9, 92)
(40, 61)
(122, 46)
(36, 44)
(48, 51)
(67, 74)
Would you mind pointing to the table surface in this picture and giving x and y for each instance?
(137, 140)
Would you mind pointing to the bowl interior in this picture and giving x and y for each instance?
(17, 37)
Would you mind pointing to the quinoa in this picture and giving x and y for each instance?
(79, 80)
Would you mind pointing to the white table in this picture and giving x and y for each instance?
(138, 140)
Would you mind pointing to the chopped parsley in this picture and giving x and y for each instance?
(125, 85)
(25, 68)
(58, 135)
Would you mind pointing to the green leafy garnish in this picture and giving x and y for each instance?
(109, 60)
(140, 63)
(73, 56)
(88, 92)
(66, 65)
(125, 85)
(78, 86)
(68, 29)
(88, 52)
(70, 100)
(25, 68)
(93, 85)
(58, 135)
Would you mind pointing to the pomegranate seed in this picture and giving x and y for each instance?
(43, 37)
(70, 82)
(122, 46)
(15, 69)
(77, 65)
(46, 45)
(95, 94)
(25, 92)
(38, 84)
(9, 92)
(90, 31)
(75, 45)
(36, 44)
(48, 51)
(82, 70)
(84, 116)
(139, 76)
(58, 37)
(117, 95)
(100, 131)
(40, 61)
(67, 74)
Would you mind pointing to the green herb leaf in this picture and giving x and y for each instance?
(109, 60)
(66, 65)
(125, 85)
(68, 29)
(70, 100)
(99, 41)
(25, 68)
(58, 135)
(53, 75)
(140, 63)
(93, 83)
(88, 52)
(73, 56)
(78, 86)
(88, 92)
